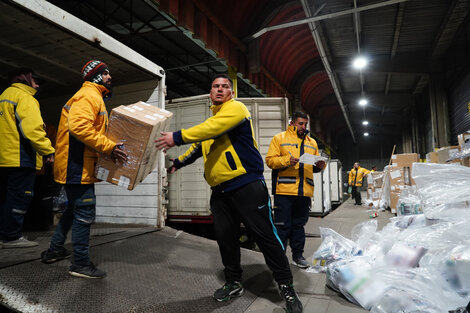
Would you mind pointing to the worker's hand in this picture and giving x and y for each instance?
(293, 161)
(172, 168)
(320, 164)
(165, 142)
(50, 159)
(119, 155)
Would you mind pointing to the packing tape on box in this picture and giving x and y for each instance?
(124, 181)
(135, 107)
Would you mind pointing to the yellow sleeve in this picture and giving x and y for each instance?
(274, 159)
(351, 177)
(230, 115)
(32, 126)
(82, 116)
(366, 172)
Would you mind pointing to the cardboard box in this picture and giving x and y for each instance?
(137, 129)
(445, 153)
(377, 178)
(432, 157)
(465, 162)
(462, 138)
(404, 160)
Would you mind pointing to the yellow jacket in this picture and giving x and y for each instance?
(22, 134)
(356, 176)
(291, 180)
(80, 136)
(226, 142)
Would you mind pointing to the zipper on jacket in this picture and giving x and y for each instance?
(301, 169)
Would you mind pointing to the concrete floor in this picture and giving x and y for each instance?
(166, 271)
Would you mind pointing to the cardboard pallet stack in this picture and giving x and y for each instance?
(136, 126)
(374, 185)
(400, 176)
(444, 155)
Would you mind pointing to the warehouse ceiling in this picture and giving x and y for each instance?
(309, 61)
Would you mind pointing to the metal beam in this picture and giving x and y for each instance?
(326, 16)
(91, 34)
(321, 51)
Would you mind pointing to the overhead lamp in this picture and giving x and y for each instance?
(363, 102)
(360, 63)
(365, 123)
(366, 134)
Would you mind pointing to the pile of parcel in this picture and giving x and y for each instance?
(136, 126)
(417, 262)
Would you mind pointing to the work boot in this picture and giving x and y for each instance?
(228, 291)
(300, 262)
(21, 242)
(293, 304)
(86, 271)
(49, 256)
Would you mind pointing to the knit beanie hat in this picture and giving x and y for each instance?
(92, 71)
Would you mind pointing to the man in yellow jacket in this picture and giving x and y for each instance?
(80, 138)
(356, 177)
(233, 167)
(24, 143)
(292, 183)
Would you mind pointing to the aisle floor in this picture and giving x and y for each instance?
(166, 271)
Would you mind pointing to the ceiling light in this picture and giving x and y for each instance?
(360, 63)
(365, 123)
(366, 134)
(362, 102)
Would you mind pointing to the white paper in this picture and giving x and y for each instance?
(102, 173)
(308, 158)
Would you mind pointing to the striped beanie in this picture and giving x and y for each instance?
(92, 71)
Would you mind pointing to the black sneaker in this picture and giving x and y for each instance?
(49, 256)
(301, 262)
(228, 291)
(293, 304)
(86, 271)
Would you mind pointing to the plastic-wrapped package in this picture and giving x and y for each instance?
(401, 255)
(409, 201)
(344, 275)
(363, 232)
(416, 290)
(334, 247)
(406, 221)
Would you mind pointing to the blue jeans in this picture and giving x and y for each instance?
(16, 193)
(290, 216)
(79, 215)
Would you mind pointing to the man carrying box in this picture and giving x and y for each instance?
(233, 167)
(80, 137)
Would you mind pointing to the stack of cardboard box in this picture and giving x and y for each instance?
(445, 154)
(400, 176)
(464, 146)
(136, 126)
(374, 185)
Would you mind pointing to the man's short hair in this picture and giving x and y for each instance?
(298, 114)
(222, 75)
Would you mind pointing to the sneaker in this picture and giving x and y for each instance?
(86, 271)
(293, 304)
(301, 262)
(49, 256)
(228, 291)
(21, 242)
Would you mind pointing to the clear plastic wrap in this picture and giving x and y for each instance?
(363, 232)
(334, 247)
(409, 201)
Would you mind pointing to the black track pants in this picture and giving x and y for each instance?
(251, 205)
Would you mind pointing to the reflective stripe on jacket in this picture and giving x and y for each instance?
(291, 180)
(80, 136)
(22, 134)
(356, 176)
(227, 143)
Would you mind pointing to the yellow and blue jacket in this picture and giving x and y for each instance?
(226, 142)
(80, 136)
(24, 140)
(356, 176)
(286, 179)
